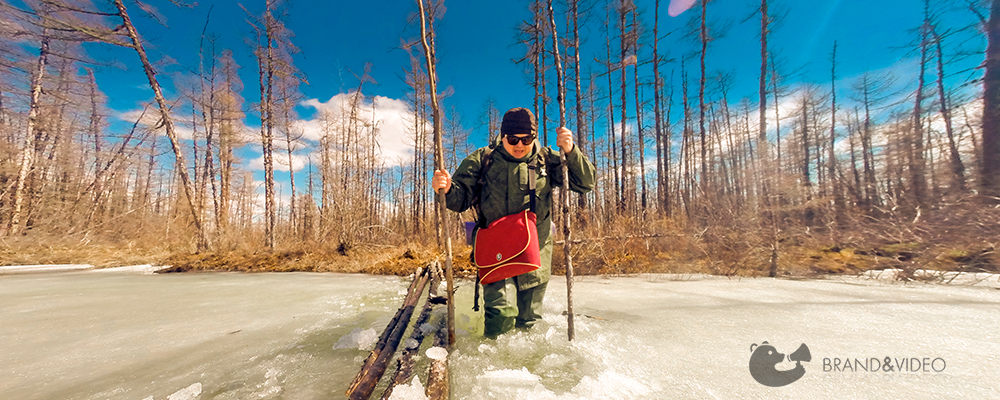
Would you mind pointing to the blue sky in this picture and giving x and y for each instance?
(476, 46)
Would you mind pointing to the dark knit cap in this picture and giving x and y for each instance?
(518, 121)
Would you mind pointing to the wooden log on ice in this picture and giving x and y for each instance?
(404, 365)
(385, 333)
(436, 276)
(437, 375)
(373, 368)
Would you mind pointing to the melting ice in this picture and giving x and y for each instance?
(87, 335)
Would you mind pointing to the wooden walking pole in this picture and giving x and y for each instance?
(564, 191)
(439, 165)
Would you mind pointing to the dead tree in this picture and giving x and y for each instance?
(915, 147)
(638, 113)
(627, 195)
(872, 92)
(274, 50)
(229, 105)
(704, 40)
(955, 160)
(838, 200)
(167, 121)
(581, 128)
(266, 69)
(990, 151)
(28, 153)
(616, 170)
(662, 185)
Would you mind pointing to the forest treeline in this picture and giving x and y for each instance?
(684, 169)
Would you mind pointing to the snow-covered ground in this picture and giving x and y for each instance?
(27, 269)
(105, 335)
(49, 268)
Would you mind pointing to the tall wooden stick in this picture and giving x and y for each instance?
(563, 192)
(439, 164)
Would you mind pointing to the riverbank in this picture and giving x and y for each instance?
(607, 256)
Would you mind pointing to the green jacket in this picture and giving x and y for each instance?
(506, 192)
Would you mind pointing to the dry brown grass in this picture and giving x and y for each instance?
(958, 237)
(30, 252)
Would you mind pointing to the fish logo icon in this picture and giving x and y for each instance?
(765, 358)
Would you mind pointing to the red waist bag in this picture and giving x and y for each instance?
(507, 247)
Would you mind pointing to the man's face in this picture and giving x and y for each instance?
(519, 149)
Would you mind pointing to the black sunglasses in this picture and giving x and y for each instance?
(525, 140)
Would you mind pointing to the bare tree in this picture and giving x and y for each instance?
(662, 145)
(627, 181)
(229, 117)
(831, 157)
(915, 146)
(638, 112)
(871, 91)
(167, 121)
(616, 170)
(28, 155)
(989, 174)
(273, 51)
(956, 166)
(581, 127)
(457, 137)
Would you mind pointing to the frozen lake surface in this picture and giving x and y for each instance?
(126, 335)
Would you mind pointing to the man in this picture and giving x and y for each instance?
(517, 301)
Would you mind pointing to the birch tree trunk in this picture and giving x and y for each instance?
(28, 154)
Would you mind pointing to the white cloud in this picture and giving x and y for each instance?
(390, 115)
(282, 198)
(182, 126)
(281, 163)
(151, 117)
